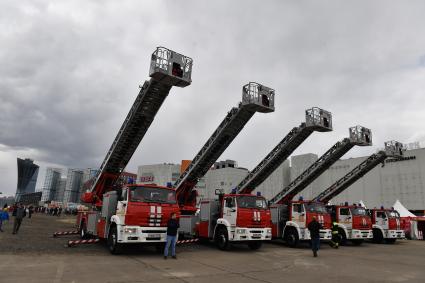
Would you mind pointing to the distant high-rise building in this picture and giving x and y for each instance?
(27, 177)
(88, 176)
(51, 182)
(74, 181)
(60, 189)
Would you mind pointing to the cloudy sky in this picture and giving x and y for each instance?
(70, 71)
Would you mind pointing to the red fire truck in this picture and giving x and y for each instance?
(124, 214)
(232, 218)
(386, 225)
(290, 218)
(354, 222)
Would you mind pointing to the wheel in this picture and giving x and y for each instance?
(357, 242)
(83, 230)
(390, 241)
(254, 245)
(222, 239)
(113, 245)
(291, 238)
(377, 236)
(342, 237)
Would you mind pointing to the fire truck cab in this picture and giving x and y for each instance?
(353, 222)
(386, 225)
(233, 218)
(133, 214)
(289, 221)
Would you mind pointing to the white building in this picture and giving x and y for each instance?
(276, 181)
(159, 174)
(224, 175)
(402, 180)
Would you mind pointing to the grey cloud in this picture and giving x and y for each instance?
(70, 72)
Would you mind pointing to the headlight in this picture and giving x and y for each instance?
(130, 230)
(269, 231)
(240, 231)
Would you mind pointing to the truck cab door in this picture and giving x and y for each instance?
(381, 219)
(345, 217)
(298, 214)
(230, 210)
(122, 202)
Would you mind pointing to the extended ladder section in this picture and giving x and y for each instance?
(316, 120)
(393, 149)
(358, 136)
(167, 69)
(255, 97)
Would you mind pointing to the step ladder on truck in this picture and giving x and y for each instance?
(290, 218)
(354, 222)
(126, 214)
(232, 218)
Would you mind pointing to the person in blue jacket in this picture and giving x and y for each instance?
(172, 227)
(4, 215)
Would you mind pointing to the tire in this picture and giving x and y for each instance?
(255, 245)
(113, 245)
(83, 231)
(390, 241)
(378, 238)
(222, 239)
(357, 242)
(342, 237)
(291, 238)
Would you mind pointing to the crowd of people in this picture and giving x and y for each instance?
(19, 211)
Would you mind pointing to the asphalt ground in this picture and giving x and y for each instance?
(33, 255)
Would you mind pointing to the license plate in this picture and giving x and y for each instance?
(256, 235)
(154, 235)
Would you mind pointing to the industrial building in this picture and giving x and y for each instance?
(27, 177)
(160, 174)
(402, 179)
(223, 175)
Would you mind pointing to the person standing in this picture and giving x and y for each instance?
(334, 243)
(314, 228)
(172, 227)
(19, 215)
(2, 218)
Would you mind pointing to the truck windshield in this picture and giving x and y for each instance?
(316, 207)
(148, 194)
(393, 214)
(251, 202)
(358, 211)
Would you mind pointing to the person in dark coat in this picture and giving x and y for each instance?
(19, 214)
(172, 227)
(314, 228)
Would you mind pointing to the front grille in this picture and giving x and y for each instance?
(154, 231)
(153, 239)
(256, 231)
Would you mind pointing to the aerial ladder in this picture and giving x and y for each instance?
(290, 218)
(354, 223)
(231, 218)
(316, 120)
(168, 68)
(124, 214)
(255, 98)
(393, 149)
